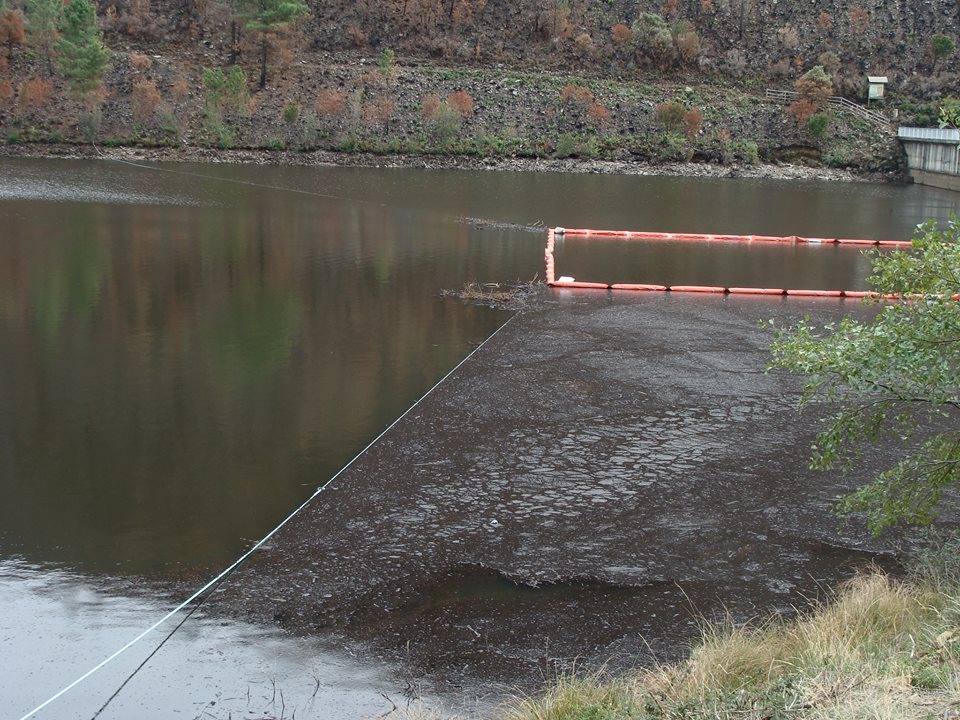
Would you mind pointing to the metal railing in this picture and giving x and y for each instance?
(933, 135)
(877, 119)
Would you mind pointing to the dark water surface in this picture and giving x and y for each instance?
(726, 264)
(184, 359)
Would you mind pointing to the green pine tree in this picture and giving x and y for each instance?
(266, 16)
(83, 58)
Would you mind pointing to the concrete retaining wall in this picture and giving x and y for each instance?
(933, 156)
(935, 179)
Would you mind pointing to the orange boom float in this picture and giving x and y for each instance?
(569, 282)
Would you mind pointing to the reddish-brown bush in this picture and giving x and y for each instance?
(859, 19)
(692, 122)
(576, 93)
(584, 42)
(35, 93)
(135, 20)
(789, 37)
(430, 107)
(180, 88)
(670, 8)
(379, 112)
(825, 20)
(144, 102)
(467, 11)
(330, 103)
(814, 85)
(555, 23)
(374, 79)
(13, 30)
(140, 62)
(688, 45)
(461, 102)
(282, 46)
(356, 36)
(670, 115)
(802, 110)
(621, 34)
(706, 7)
(6, 90)
(813, 88)
(598, 114)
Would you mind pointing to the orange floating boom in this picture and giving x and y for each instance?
(568, 282)
(707, 237)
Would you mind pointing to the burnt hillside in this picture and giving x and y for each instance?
(617, 80)
(772, 39)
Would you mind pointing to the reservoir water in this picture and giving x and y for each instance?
(187, 351)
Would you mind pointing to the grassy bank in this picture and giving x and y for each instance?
(875, 648)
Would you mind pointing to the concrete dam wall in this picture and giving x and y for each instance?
(933, 155)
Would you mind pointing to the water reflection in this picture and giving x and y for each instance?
(727, 264)
(176, 377)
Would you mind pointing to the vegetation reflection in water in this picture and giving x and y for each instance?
(179, 377)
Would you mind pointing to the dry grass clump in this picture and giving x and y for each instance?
(496, 295)
(482, 292)
(582, 698)
(878, 648)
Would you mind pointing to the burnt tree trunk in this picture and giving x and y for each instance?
(234, 43)
(263, 60)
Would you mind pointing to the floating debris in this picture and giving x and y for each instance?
(483, 223)
(497, 295)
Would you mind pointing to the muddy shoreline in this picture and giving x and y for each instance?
(320, 158)
(606, 471)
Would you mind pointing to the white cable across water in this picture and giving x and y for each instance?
(233, 566)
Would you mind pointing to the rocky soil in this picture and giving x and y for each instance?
(775, 171)
(772, 39)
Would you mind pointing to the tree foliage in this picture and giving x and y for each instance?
(265, 17)
(949, 113)
(43, 26)
(670, 115)
(813, 89)
(895, 377)
(225, 91)
(814, 85)
(942, 45)
(83, 58)
(653, 36)
(817, 124)
(12, 30)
